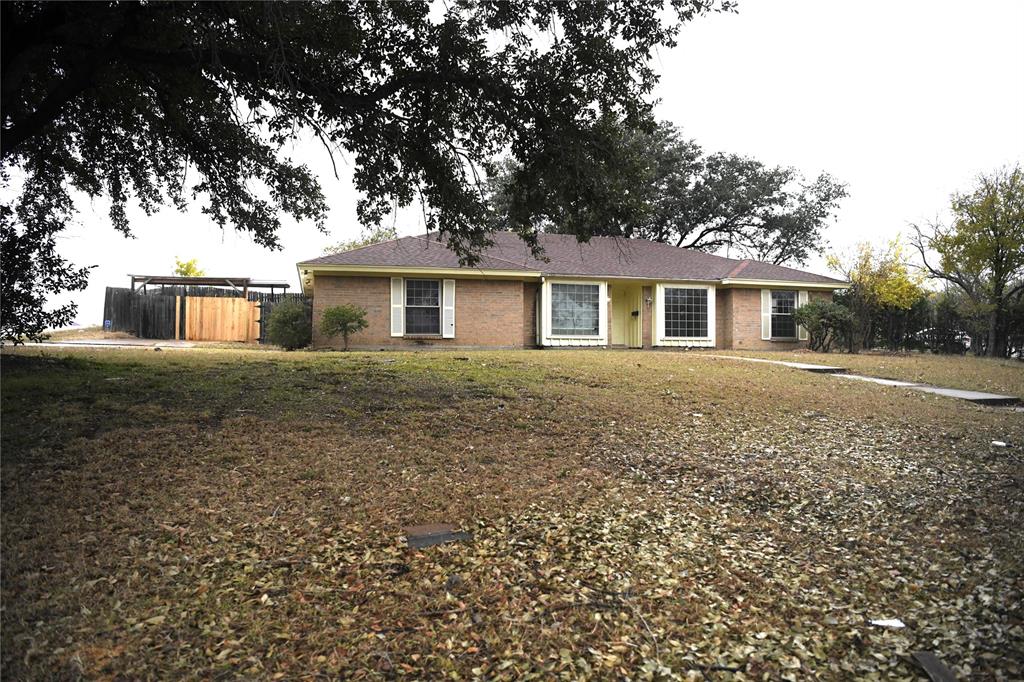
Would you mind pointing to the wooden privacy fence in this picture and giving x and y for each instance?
(209, 318)
(193, 313)
(148, 317)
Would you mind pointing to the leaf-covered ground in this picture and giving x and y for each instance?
(215, 514)
(994, 375)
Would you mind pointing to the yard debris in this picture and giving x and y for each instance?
(613, 534)
(936, 669)
(430, 534)
(888, 623)
(1000, 444)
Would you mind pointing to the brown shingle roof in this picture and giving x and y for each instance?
(600, 257)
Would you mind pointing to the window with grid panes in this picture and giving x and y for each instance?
(422, 306)
(783, 306)
(686, 313)
(575, 309)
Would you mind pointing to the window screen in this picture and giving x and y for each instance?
(422, 306)
(686, 313)
(783, 305)
(575, 309)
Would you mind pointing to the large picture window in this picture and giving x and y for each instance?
(783, 305)
(422, 306)
(686, 313)
(575, 309)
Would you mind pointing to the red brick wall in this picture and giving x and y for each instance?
(745, 311)
(530, 290)
(488, 313)
(723, 318)
(502, 314)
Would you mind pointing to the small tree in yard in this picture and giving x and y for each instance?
(343, 319)
(881, 279)
(289, 326)
(826, 323)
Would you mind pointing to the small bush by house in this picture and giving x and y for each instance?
(343, 319)
(827, 324)
(289, 325)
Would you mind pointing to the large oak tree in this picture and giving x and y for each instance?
(655, 184)
(157, 103)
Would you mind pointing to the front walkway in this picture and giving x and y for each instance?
(973, 396)
(116, 343)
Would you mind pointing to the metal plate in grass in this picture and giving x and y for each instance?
(434, 534)
(936, 669)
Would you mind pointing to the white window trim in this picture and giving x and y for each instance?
(600, 339)
(659, 318)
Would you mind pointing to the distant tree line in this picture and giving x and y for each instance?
(978, 262)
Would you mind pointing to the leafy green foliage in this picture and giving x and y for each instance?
(376, 235)
(160, 103)
(827, 323)
(655, 184)
(31, 269)
(982, 253)
(289, 324)
(187, 268)
(343, 319)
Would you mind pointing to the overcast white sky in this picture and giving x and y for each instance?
(904, 101)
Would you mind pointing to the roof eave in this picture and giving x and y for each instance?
(736, 281)
(305, 270)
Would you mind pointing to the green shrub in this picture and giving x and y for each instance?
(343, 319)
(826, 323)
(289, 325)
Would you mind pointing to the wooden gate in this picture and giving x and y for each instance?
(220, 319)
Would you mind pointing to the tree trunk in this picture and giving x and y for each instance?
(997, 333)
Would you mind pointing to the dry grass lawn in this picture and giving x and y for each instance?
(213, 513)
(971, 373)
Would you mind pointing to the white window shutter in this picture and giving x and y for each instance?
(766, 314)
(539, 312)
(659, 314)
(448, 310)
(397, 306)
(802, 301)
(712, 316)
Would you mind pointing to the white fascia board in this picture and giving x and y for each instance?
(783, 284)
(389, 270)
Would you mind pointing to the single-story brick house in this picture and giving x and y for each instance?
(609, 292)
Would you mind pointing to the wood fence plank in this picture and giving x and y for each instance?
(221, 319)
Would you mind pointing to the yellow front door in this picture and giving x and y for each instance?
(618, 315)
(635, 321)
(627, 328)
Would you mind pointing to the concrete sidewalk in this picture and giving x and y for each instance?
(979, 397)
(115, 343)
